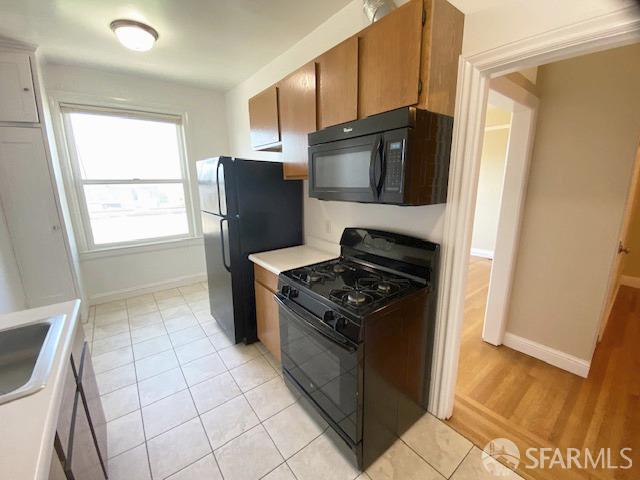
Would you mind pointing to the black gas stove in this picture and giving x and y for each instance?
(357, 288)
(356, 334)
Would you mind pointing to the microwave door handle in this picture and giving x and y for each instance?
(383, 169)
(372, 168)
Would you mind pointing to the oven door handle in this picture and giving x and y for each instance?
(299, 313)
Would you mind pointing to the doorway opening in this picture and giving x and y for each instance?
(530, 368)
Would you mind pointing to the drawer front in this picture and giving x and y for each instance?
(266, 278)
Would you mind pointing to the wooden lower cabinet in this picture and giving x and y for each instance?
(267, 311)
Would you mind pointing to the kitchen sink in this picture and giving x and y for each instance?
(27, 352)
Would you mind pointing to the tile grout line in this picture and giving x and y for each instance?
(261, 354)
(460, 464)
(200, 416)
(144, 432)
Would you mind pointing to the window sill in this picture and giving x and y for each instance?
(141, 248)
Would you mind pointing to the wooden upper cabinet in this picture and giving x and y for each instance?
(410, 57)
(441, 48)
(263, 120)
(389, 61)
(297, 99)
(337, 88)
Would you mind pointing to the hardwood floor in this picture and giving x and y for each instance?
(504, 393)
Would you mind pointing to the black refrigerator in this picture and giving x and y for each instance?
(247, 207)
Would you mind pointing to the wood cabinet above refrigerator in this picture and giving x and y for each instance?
(264, 120)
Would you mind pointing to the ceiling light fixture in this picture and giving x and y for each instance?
(134, 35)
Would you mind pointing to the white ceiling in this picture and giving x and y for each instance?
(213, 42)
(217, 43)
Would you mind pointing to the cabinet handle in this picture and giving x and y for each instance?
(26, 89)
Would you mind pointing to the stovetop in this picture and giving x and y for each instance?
(356, 288)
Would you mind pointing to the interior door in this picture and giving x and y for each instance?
(216, 249)
(29, 205)
(616, 271)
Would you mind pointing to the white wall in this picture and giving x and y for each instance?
(492, 164)
(515, 20)
(206, 135)
(324, 221)
(11, 292)
(586, 137)
(485, 223)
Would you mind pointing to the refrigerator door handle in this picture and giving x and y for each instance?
(218, 186)
(224, 250)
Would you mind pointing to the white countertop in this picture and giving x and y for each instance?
(28, 424)
(277, 261)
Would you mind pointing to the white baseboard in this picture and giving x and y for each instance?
(148, 288)
(630, 281)
(548, 355)
(481, 252)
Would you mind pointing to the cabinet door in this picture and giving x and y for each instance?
(17, 98)
(89, 387)
(337, 77)
(267, 318)
(297, 119)
(29, 205)
(65, 417)
(389, 61)
(84, 462)
(263, 118)
(56, 470)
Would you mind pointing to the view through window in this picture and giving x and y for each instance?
(130, 175)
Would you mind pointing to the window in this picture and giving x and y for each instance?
(130, 175)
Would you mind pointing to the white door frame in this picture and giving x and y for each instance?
(523, 106)
(600, 33)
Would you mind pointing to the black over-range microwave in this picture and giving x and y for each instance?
(399, 157)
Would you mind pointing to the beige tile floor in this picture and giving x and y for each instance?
(183, 403)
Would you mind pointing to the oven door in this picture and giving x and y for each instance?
(347, 170)
(323, 365)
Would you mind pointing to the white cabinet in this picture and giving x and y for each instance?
(17, 97)
(33, 221)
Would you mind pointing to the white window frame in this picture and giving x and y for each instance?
(81, 213)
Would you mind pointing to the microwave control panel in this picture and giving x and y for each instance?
(394, 158)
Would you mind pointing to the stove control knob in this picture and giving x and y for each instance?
(341, 322)
(329, 317)
(285, 290)
(293, 293)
